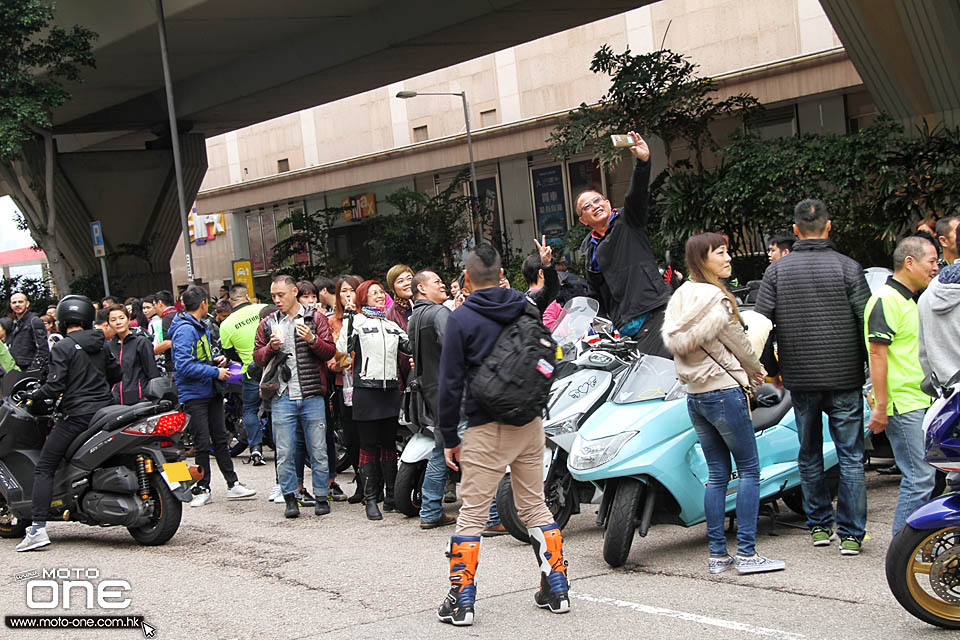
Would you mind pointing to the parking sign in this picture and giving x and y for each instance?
(96, 232)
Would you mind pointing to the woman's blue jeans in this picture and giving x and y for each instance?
(722, 421)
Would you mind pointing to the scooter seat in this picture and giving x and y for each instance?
(767, 416)
(108, 418)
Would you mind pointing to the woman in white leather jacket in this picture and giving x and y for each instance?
(704, 331)
(375, 344)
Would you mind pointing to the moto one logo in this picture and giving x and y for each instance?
(59, 587)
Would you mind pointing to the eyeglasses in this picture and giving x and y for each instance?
(591, 204)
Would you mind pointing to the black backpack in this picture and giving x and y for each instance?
(513, 382)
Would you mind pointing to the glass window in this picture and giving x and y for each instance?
(584, 174)
(269, 228)
(489, 211)
(257, 257)
(549, 202)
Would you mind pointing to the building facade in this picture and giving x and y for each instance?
(355, 151)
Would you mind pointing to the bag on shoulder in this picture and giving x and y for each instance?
(513, 382)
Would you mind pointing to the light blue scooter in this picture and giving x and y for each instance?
(641, 449)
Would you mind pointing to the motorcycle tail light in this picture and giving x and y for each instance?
(163, 425)
(171, 423)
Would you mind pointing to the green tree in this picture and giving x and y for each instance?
(36, 290)
(425, 231)
(36, 59)
(656, 93)
(310, 236)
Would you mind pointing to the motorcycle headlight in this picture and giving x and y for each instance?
(569, 425)
(587, 454)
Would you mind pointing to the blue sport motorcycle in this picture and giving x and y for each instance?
(923, 561)
(641, 449)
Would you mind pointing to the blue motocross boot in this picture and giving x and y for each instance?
(547, 543)
(457, 607)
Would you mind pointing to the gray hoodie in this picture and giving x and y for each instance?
(940, 324)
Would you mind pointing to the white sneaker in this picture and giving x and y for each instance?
(200, 497)
(240, 492)
(275, 493)
(34, 539)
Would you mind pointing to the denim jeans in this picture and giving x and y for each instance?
(251, 404)
(905, 432)
(844, 410)
(308, 414)
(723, 425)
(431, 493)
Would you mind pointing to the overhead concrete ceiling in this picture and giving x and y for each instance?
(238, 62)
(907, 52)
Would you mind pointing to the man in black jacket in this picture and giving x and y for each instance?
(621, 266)
(28, 341)
(815, 297)
(425, 329)
(82, 370)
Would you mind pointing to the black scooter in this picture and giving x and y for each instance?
(126, 469)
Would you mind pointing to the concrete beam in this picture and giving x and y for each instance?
(907, 52)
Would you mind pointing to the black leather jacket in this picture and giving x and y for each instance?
(28, 343)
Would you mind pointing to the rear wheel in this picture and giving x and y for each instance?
(560, 497)
(10, 525)
(923, 572)
(407, 490)
(166, 515)
(622, 521)
(794, 498)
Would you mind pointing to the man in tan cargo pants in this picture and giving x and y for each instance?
(489, 447)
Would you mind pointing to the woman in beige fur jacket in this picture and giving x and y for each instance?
(705, 333)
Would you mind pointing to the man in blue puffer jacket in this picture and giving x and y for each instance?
(194, 373)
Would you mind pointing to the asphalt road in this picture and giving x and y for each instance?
(240, 570)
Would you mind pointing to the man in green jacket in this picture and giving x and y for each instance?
(7, 363)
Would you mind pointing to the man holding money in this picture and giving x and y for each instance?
(621, 266)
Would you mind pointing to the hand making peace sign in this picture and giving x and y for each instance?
(545, 251)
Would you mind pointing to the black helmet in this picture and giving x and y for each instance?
(75, 310)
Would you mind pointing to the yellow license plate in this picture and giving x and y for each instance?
(177, 471)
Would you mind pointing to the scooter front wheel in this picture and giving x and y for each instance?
(622, 521)
(407, 488)
(923, 572)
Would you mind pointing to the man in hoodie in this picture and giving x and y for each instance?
(939, 309)
(81, 370)
(194, 373)
(891, 333)
(488, 447)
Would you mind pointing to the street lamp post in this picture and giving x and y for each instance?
(475, 192)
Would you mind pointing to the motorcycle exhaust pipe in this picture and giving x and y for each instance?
(195, 472)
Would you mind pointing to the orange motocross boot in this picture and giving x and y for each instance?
(547, 543)
(457, 607)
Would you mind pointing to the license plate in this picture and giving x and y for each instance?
(177, 472)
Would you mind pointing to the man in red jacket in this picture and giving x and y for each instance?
(296, 340)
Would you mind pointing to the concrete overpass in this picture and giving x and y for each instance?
(237, 62)
(907, 52)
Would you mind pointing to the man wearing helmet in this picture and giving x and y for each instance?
(81, 371)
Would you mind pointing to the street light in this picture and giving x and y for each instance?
(473, 171)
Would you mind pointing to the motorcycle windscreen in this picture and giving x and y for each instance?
(649, 378)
